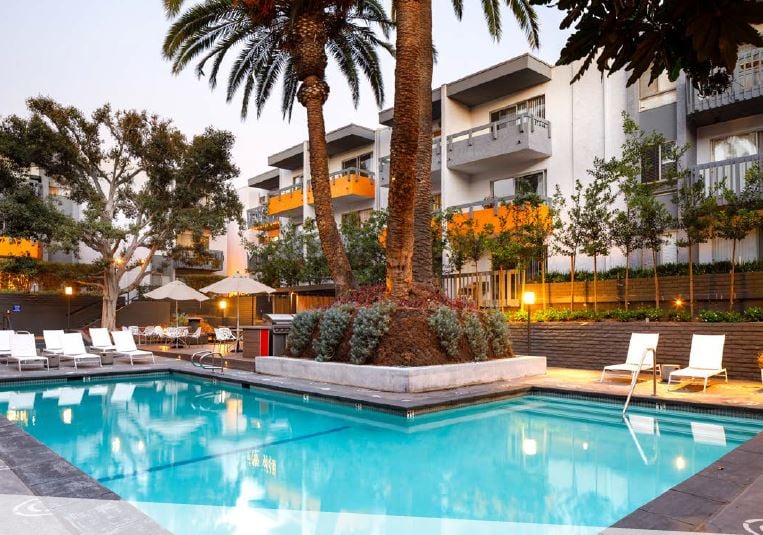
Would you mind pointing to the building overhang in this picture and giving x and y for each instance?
(268, 180)
(340, 140)
(387, 117)
(500, 80)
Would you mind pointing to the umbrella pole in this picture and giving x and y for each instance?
(238, 322)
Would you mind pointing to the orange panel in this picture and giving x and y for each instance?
(285, 202)
(346, 185)
(268, 226)
(11, 247)
(510, 216)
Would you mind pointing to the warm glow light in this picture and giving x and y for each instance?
(223, 304)
(66, 416)
(680, 463)
(528, 298)
(68, 290)
(679, 302)
(118, 261)
(529, 446)
(116, 444)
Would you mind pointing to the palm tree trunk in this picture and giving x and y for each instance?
(309, 37)
(422, 221)
(572, 282)
(595, 285)
(627, 278)
(404, 149)
(733, 273)
(656, 280)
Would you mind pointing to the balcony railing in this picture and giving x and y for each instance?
(746, 85)
(210, 260)
(476, 149)
(286, 201)
(350, 183)
(731, 172)
(259, 219)
(494, 289)
(384, 163)
(495, 211)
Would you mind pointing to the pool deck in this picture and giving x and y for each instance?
(719, 499)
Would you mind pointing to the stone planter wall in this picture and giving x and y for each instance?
(593, 345)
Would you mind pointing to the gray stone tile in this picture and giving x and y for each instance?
(686, 508)
(11, 484)
(646, 520)
(78, 486)
(742, 515)
(717, 489)
(46, 471)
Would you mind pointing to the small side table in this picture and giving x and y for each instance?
(666, 370)
(53, 361)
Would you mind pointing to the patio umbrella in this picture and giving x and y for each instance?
(176, 290)
(240, 285)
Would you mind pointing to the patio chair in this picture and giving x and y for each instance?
(126, 347)
(194, 337)
(5, 345)
(54, 344)
(74, 351)
(224, 337)
(24, 351)
(705, 359)
(101, 340)
(639, 344)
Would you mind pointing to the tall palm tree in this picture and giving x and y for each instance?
(290, 40)
(420, 227)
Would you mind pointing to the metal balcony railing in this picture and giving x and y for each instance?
(746, 83)
(210, 260)
(522, 123)
(731, 172)
(259, 217)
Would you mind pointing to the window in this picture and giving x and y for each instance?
(362, 162)
(296, 179)
(535, 106)
(660, 85)
(357, 217)
(658, 163)
(436, 202)
(734, 146)
(520, 185)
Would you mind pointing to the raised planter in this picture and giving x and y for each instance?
(393, 379)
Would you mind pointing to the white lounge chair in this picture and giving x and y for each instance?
(640, 343)
(54, 344)
(101, 340)
(705, 359)
(24, 351)
(126, 347)
(5, 344)
(224, 337)
(74, 350)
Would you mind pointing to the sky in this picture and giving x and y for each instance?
(86, 53)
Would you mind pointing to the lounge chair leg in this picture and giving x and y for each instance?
(601, 380)
(727, 375)
(705, 387)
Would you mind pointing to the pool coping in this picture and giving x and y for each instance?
(692, 505)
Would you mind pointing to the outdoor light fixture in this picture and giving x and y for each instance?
(679, 302)
(68, 291)
(529, 299)
(223, 304)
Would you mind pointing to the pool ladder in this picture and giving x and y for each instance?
(206, 360)
(634, 379)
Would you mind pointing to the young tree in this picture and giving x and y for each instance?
(654, 220)
(740, 215)
(366, 251)
(626, 235)
(293, 39)
(696, 219)
(596, 219)
(568, 229)
(141, 180)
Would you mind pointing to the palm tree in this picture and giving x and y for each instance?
(422, 227)
(290, 40)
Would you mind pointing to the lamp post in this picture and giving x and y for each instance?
(223, 304)
(68, 291)
(529, 299)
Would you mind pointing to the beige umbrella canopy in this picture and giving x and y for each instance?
(239, 285)
(177, 291)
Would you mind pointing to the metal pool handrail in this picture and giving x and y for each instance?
(634, 379)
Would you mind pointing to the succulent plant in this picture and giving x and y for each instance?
(371, 323)
(301, 331)
(331, 329)
(444, 323)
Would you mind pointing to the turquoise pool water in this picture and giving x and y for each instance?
(215, 458)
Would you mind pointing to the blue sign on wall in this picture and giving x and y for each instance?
(15, 308)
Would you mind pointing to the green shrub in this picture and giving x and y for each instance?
(331, 329)
(754, 314)
(370, 325)
(498, 332)
(476, 335)
(301, 332)
(719, 316)
(444, 323)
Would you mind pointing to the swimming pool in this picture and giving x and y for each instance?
(201, 457)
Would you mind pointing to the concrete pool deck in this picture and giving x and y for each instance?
(719, 499)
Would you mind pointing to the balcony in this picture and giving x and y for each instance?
(498, 212)
(18, 248)
(744, 96)
(436, 165)
(494, 146)
(190, 260)
(732, 172)
(259, 219)
(286, 202)
(348, 185)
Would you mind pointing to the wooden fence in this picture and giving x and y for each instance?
(492, 289)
